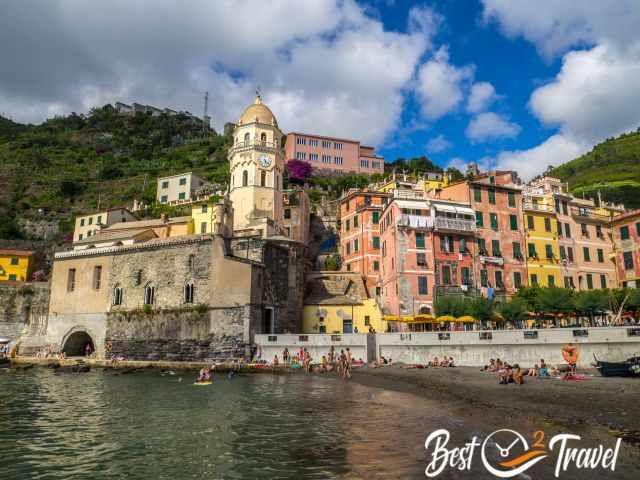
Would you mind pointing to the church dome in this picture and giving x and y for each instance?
(258, 112)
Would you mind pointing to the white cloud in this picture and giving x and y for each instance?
(596, 94)
(553, 151)
(482, 95)
(440, 85)
(490, 126)
(338, 72)
(556, 25)
(438, 144)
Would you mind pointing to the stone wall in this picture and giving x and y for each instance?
(22, 304)
(167, 269)
(197, 334)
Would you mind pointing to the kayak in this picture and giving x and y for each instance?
(203, 383)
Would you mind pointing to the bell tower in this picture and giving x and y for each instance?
(257, 165)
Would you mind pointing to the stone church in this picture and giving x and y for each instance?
(189, 297)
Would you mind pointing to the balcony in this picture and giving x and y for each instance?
(258, 145)
(538, 207)
(588, 214)
(456, 290)
(454, 225)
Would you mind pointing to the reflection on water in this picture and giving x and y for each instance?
(141, 426)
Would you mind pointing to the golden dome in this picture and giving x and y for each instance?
(258, 112)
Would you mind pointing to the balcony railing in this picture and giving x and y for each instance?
(539, 207)
(456, 290)
(455, 224)
(259, 144)
(589, 214)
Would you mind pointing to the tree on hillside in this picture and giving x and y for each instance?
(454, 174)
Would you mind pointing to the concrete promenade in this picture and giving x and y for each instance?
(473, 349)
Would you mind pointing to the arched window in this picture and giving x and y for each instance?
(188, 292)
(263, 138)
(117, 295)
(245, 178)
(247, 137)
(263, 178)
(149, 294)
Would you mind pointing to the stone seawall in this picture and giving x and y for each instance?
(197, 334)
(22, 304)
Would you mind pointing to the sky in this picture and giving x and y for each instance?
(510, 84)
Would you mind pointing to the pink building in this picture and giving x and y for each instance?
(427, 250)
(626, 237)
(335, 154)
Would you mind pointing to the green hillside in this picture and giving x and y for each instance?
(612, 167)
(68, 164)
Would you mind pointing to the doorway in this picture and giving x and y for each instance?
(268, 323)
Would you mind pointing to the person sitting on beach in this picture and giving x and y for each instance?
(435, 362)
(533, 372)
(543, 371)
(506, 376)
(517, 375)
(276, 362)
(451, 362)
(285, 356)
(489, 368)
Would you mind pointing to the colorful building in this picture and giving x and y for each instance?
(542, 245)
(212, 216)
(360, 213)
(16, 265)
(88, 225)
(178, 189)
(626, 238)
(582, 233)
(454, 247)
(496, 198)
(333, 154)
(408, 275)
(339, 302)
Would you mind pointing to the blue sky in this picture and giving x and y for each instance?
(510, 84)
(512, 66)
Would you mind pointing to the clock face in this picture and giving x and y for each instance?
(265, 161)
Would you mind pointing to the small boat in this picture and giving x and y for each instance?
(208, 382)
(627, 368)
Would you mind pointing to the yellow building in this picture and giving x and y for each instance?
(212, 215)
(16, 265)
(338, 302)
(541, 233)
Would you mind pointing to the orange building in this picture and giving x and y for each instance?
(496, 198)
(360, 234)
